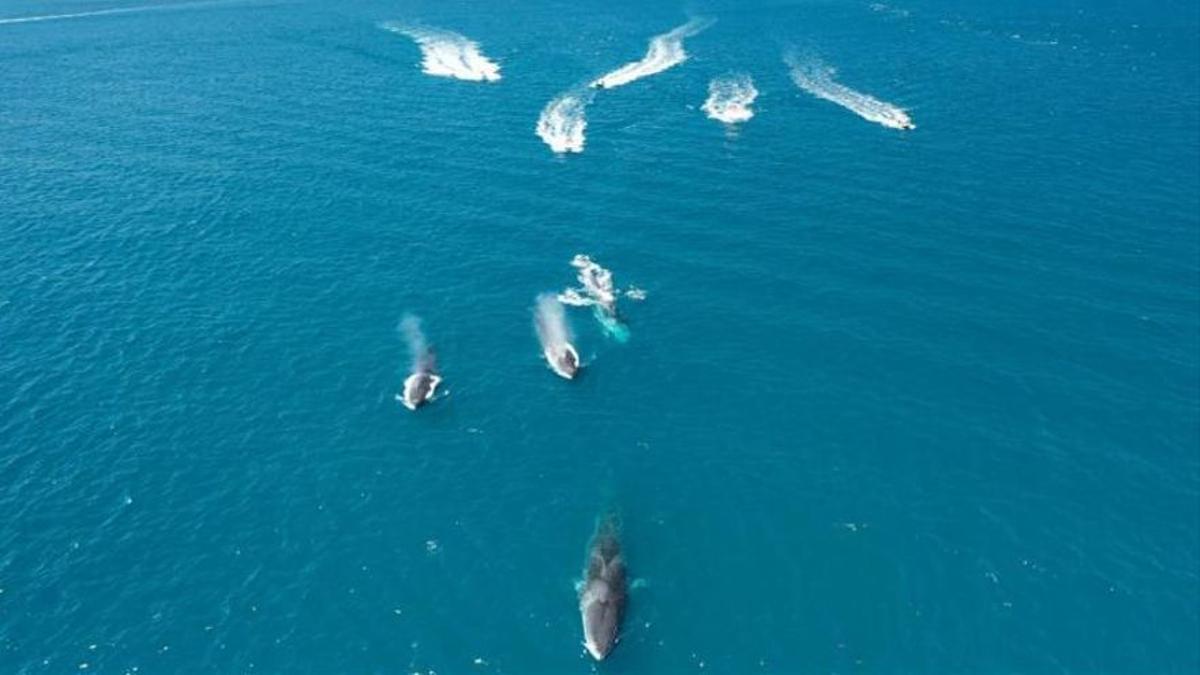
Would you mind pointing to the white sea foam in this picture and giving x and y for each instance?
(448, 54)
(665, 51)
(596, 287)
(564, 120)
(597, 282)
(574, 298)
(816, 78)
(598, 291)
(882, 8)
(105, 12)
(730, 98)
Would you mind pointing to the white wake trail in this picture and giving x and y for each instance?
(665, 51)
(816, 78)
(730, 98)
(105, 12)
(563, 121)
(448, 54)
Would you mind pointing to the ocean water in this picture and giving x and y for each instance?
(896, 401)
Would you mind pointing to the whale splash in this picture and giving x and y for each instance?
(597, 290)
(597, 286)
(550, 322)
(564, 120)
(423, 380)
(665, 51)
(816, 78)
(448, 54)
(730, 98)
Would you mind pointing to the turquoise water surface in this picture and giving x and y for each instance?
(920, 401)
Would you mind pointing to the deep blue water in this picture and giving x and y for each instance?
(896, 402)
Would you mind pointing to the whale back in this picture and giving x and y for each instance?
(566, 361)
(419, 388)
(602, 602)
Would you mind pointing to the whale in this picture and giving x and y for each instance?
(419, 389)
(563, 359)
(603, 594)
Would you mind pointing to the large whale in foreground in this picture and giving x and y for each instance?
(602, 597)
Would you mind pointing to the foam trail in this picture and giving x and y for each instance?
(665, 51)
(564, 120)
(103, 12)
(598, 291)
(816, 78)
(423, 359)
(448, 54)
(597, 282)
(730, 98)
(550, 321)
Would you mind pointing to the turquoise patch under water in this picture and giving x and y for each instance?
(613, 327)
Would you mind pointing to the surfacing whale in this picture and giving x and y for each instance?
(419, 389)
(550, 322)
(423, 381)
(602, 598)
(563, 359)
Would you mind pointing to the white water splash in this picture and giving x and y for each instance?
(665, 51)
(730, 98)
(816, 78)
(106, 12)
(448, 54)
(598, 291)
(563, 122)
(597, 285)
